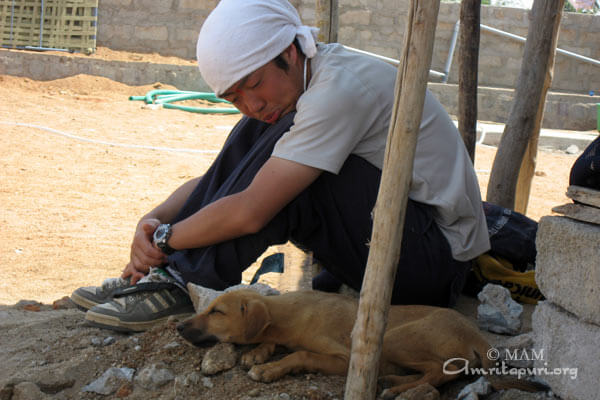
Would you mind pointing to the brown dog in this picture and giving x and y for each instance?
(317, 327)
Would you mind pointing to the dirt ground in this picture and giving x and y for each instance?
(73, 185)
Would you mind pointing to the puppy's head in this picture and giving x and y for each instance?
(234, 317)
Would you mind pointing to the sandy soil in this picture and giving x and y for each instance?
(73, 188)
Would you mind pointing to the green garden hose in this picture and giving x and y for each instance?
(166, 97)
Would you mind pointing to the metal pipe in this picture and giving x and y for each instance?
(451, 52)
(522, 39)
(44, 48)
(389, 60)
(41, 23)
(12, 17)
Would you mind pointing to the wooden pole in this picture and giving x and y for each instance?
(510, 180)
(470, 16)
(390, 209)
(326, 13)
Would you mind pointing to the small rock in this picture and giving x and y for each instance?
(313, 393)
(284, 396)
(95, 341)
(261, 288)
(63, 304)
(29, 305)
(572, 149)
(7, 391)
(171, 345)
(154, 376)
(28, 391)
(53, 381)
(219, 358)
(111, 380)
(207, 383)
(421, 392)
(498, 312)
(254, 392)
(202, 297)
(108, 340)
(193, 378)
(137, 347)
(480, 387)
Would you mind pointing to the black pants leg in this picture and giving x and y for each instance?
(332, 218)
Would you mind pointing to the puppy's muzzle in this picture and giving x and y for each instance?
(194, 335)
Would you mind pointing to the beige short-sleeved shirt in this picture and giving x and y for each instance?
(346, 109)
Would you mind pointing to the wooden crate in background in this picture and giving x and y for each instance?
(64, 24)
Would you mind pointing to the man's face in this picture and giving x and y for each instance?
(270, 92)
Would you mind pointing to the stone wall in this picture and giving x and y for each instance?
(167, 27)
(170, 27)
(566, 326)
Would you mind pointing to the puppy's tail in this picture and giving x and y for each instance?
(501, 382)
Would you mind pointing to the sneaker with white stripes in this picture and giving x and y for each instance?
(90, 296)
(141, 307)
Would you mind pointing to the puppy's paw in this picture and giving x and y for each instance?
(263, 373)
(388, 394)
(254, 357)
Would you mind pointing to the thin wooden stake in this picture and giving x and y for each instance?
(390, 209)
(510, 180)
(468, 56)
(326, 13)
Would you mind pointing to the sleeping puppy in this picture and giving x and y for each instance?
(316, 326)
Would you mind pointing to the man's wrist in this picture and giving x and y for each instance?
(161, 237)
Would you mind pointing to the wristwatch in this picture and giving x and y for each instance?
(161, 238)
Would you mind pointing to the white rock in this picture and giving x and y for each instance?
(498, 312)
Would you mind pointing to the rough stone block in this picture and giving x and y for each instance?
(154, 7)
(196, 5)
(355, 17)
(568, 267)
(186, 34)
(157, 33)
(571, 357)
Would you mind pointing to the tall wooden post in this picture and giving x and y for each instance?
(470, 16)
(390, 209)
(510, 180)
(326, 13)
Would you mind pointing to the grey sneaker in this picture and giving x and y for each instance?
(141, 307)
(90, 296)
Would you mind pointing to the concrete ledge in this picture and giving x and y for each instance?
(571, 355)
(568, 267)
(44, 67)
(563, 111)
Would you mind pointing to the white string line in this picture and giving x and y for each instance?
(102, 142)
(138, 146)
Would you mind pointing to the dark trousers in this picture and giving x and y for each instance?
(332, 217)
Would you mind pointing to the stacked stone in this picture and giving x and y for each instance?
(566, 326)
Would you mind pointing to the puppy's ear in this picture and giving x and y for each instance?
(257, 318)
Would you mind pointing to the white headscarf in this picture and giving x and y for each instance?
(240, 36)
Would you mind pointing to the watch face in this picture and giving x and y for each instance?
(160, 233)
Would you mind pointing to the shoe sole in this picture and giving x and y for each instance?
(82, 302)
(114, 323)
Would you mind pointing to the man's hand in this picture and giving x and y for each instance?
(143, 252)
(133, 273)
